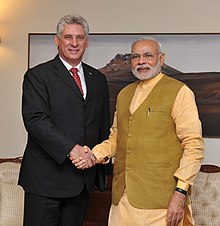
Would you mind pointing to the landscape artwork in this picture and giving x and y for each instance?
(190, 58)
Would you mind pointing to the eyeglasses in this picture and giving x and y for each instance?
(146, 56)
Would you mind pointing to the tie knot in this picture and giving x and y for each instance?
(74, 70)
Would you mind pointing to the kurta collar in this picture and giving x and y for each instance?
(146, 83)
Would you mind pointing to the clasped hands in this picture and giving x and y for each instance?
(82, 157)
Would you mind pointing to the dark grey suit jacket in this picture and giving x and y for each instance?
(57, 118)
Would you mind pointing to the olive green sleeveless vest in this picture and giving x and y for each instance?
(148, 151)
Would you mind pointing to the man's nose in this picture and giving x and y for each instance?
(141, 59)
(74, 41)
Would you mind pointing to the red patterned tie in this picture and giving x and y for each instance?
(76, 78)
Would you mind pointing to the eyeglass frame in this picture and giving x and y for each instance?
(146, 56)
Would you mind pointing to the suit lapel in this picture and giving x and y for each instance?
(89, 80)
(65, 75)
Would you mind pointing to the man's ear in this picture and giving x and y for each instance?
(56, 40)
(162, 59)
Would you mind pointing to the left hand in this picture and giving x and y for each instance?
(175, 209)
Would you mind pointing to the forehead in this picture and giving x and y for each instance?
(73, 29)
(145, 46)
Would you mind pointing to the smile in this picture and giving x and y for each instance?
(142, 70)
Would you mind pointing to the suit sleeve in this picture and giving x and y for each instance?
(36, 117)
(105, 119)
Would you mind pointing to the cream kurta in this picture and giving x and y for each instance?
(188, 129)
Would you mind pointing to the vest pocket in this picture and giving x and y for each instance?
(157, 120)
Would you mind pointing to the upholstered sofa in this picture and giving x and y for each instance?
(11, 194)
(205, 197)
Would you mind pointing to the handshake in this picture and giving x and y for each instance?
(82, 157)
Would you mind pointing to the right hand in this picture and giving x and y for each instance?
(82, 157)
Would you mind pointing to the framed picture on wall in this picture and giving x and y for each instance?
(191, 58)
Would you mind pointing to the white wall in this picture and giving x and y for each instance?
(18, 18)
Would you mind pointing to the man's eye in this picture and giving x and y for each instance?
(68, 37)
(148, 56)
(135, 56)
(80, 38)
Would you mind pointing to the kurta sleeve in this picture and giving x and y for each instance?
(104, 151)
(189, 132)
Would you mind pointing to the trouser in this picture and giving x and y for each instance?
(46, 211)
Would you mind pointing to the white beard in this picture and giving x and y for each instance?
(154, 71)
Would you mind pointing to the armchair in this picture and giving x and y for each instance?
(206, 196)
(11, 194)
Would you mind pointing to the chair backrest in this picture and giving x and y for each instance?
(206, 196)
(9, 170)
(11, 194)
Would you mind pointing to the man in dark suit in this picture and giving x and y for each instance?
(60, 119)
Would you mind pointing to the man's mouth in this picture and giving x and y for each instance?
(143, 69)
(74, 51)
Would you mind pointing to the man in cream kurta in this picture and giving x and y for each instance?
(146, 62)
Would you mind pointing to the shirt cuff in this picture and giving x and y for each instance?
(99, 158)
(182, 185)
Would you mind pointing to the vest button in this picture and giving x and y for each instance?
(131, 118)
(129, 135)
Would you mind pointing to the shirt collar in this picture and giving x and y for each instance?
(68, 66)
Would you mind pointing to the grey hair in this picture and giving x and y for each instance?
(72, 19)
(148, 39)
